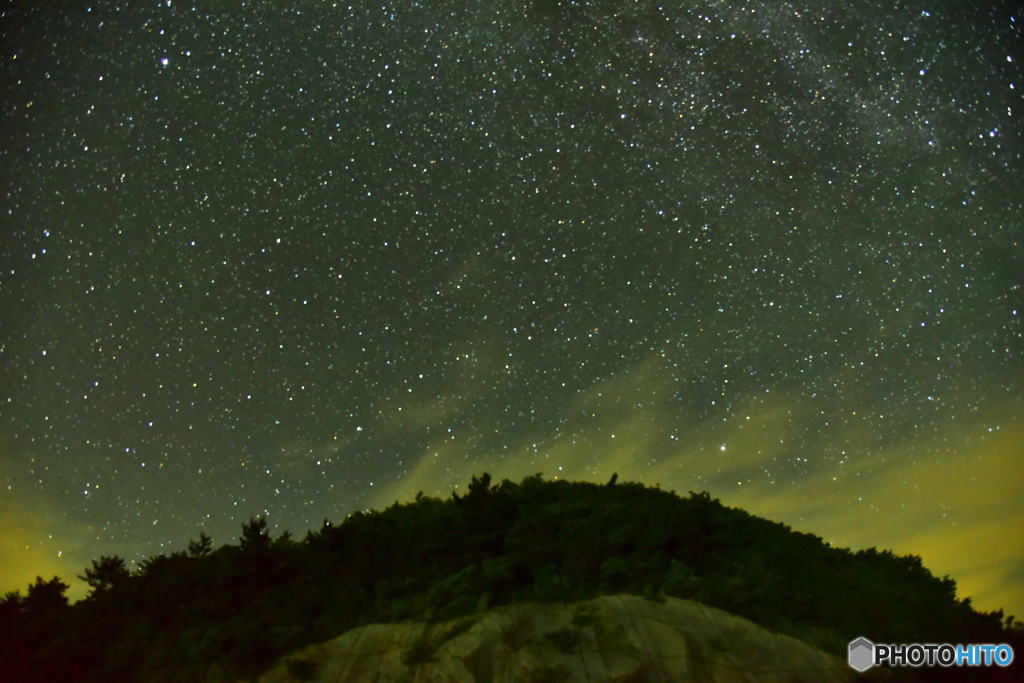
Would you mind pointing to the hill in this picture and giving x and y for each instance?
(230, 613)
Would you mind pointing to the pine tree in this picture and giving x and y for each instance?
(202, 547)
(105, 574)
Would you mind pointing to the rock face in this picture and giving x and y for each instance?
(622, 638)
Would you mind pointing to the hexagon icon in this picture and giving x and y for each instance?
(862, 654)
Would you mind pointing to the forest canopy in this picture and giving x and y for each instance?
(232, 611)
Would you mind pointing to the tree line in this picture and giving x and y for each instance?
(227, 613)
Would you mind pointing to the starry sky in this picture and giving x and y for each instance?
(303, 258)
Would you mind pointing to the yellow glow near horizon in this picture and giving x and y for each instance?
(33, 545)
(958, 507)
(961, 515)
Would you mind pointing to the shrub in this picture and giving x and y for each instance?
(680, 581)
(615, 574)
(303, 669)
(422, 649)
(565, 640)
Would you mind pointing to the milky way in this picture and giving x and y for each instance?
(299, 259)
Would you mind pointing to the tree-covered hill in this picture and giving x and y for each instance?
(230, 612)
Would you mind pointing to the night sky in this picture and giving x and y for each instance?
(303, 258)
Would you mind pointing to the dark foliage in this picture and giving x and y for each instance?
(201, 547)
(106, 574)
(234, 610)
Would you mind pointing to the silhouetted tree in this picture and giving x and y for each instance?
(479, 489)
(254, 535)
(45, 596)
(11, 607)
(106, 573)
(201, 547)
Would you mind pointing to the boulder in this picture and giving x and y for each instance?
(622, 638)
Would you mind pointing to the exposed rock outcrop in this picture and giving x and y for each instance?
(622, 638)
